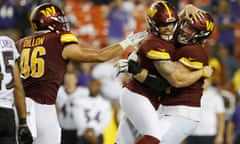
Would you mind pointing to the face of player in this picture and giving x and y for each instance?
(167, 31)
(186, 34)
(95, 87)
(70, 81)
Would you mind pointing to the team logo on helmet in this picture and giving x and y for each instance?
(49, 11)
(49, 17)
(209, 26)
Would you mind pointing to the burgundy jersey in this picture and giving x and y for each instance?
(151, 49)
(194, 57)
(42, 64)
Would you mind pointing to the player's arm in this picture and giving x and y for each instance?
(146, 78)
(174, 73)
(24, 134)
(77, 53)
(19, 95)
(74, 51)
(230, 132)
(178, 75)
(220, 128)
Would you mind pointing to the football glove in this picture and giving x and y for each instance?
(24, 135)
(121, 66)
(134, 67)
(133, 39)
(130, 66)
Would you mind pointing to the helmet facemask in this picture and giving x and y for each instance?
(186, 33)
(59, 23)
(167, 35)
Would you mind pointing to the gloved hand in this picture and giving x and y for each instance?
(121, 66)
(134, 67)
(133, 56)
(90, 136)
(24, 135)
(130, 66)
(133, 39)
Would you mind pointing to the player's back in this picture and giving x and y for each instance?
(42, 65)
(8, 56)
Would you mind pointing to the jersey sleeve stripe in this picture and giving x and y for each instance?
(67, 38)
(191, 64)
(157, 55)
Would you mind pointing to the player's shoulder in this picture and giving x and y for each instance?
(68, 37)
(6, 38)
(103, 102)
(82, 91)
(61, 89)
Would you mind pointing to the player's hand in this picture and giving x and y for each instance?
(90, 136)
(133, 67)
(24, 135)
(121, 66)
(133, 56)
(133, 39)
(193, 13)
(207, 71)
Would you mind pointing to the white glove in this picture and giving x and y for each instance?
(133, 39)
(133, 56)
(121, 66)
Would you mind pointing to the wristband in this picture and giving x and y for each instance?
(157, 83)
(22, 121)
(133, 67)
(124, 44)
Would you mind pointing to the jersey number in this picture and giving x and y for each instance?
(7, 56)
(31, 63)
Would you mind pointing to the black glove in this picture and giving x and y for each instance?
(24, 135)
(133, 67)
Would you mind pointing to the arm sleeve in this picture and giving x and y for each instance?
(152, 81)
(156, 83)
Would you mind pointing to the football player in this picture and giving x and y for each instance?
(68, 93)
(44, 56)
(156, 49)
(11, 91)
(92, 115)
(180, 105)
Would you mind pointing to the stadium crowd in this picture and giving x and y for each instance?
(98, 23)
